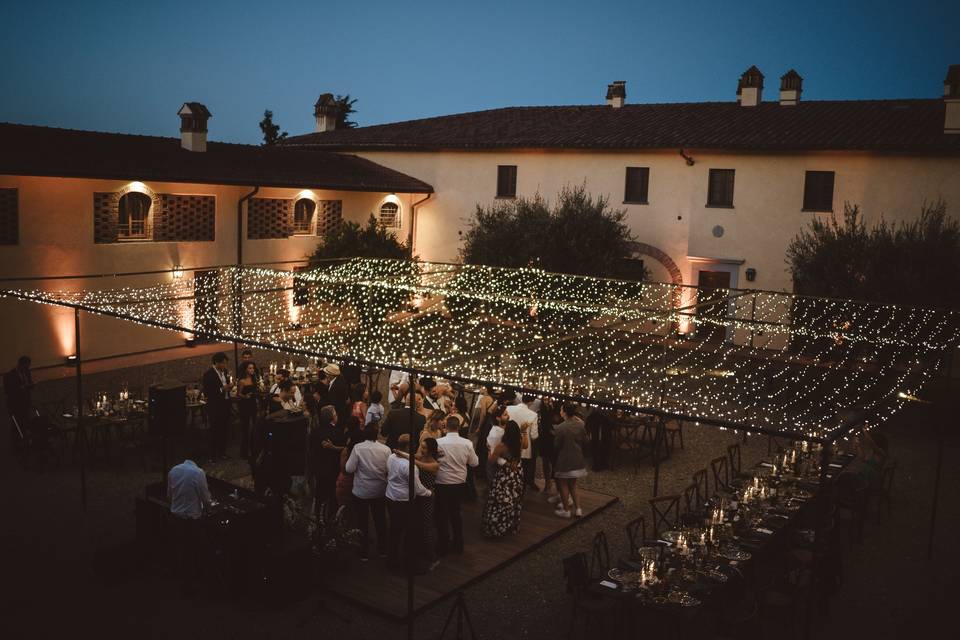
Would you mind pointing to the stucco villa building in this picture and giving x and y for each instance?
(714, 191)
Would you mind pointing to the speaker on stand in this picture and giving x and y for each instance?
(166, 415)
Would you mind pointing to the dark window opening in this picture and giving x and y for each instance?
(507, 181)
(134, 215)
(390, 215)
(818, 191)
(637, 185)
(720, 189)
(303, 212)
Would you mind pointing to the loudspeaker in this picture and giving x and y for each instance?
(167, 408)
(289, 443)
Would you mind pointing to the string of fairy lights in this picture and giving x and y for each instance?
(764, 360)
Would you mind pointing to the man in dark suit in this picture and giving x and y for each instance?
(397, 423)
(17, 384)
(216, 389)
(338, 391)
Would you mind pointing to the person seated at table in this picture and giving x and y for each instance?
(189, 497)
(284, 375)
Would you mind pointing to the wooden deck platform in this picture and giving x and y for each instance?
(372, 586)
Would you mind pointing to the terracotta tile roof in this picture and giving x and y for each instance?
(862, 125)
(47, 151)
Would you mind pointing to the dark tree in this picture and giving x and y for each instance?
(350, 240)
(578, 234)
(345, 109)
(911, 263)
(271, 132)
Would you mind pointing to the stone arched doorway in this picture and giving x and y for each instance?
(643, 249)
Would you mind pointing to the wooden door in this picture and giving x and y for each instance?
(712, 303)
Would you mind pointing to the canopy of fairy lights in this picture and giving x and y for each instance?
(758, 361)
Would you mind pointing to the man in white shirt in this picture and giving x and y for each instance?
(188, 494)
(368, 463)
(288, 397)
(527, 420)
(456, 454)
(284, 375)
(398, 506)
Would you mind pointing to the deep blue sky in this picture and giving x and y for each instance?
(120, 66)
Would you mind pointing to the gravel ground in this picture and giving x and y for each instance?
(50, 549)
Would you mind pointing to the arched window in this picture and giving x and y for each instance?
(133, 221)
(303, 212)
(390, 215)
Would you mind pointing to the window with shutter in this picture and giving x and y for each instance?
(507, 181)
(390, 215)
(303, 212)
(818, 191)
(720, 188)
(637, 184)
(134, 215)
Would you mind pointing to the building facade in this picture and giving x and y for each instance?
(714, 192)
(76, 207)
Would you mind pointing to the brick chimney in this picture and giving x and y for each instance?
(750, 88)
(617, 93)
(325, 111)
(951, 100)
(193, 126)
(791, 86)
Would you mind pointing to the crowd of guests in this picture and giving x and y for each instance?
(359, 453)
(455, 451)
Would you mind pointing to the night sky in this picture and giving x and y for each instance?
(127, 66)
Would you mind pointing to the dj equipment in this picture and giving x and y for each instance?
(286, 437)
(167, 408)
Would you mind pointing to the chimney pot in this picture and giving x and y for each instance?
(193, 126)
(750, 87)
(325, 110)
(791, 86)
(617, 93)
(951, 99)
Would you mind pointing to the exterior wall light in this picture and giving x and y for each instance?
(751, 274)
(177, 271)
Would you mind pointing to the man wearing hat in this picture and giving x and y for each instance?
(338, 393)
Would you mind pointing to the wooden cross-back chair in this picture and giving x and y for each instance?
(636, 533)
(700, 479)
(721, 473)
(733, 454)
(666, 513)
(600, 555)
